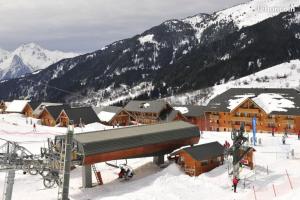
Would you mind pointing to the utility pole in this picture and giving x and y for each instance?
(238, 140)
(10, 175)
(67, 163)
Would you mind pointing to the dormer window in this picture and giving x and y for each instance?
(144, 105)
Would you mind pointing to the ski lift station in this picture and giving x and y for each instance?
(131, 142)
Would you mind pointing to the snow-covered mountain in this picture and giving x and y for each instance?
(175, 57)
(285, 75)
(28, 58)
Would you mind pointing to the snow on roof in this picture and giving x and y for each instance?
(17, 106)
(233, 103)
(106, 116)
(271, 102)
(183, 110)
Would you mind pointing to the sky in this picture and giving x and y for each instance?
(88, 25)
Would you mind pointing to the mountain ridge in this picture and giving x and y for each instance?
(165, 60)
(33, 56)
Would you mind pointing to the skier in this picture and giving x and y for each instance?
(299, 135)
(235, 181)
(283, 139)
(122, 173)
(34, 127)
(285, 132)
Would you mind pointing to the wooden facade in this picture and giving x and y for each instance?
(195, 167)
(122, 118)
(2, 107)
(27, 111)
(248, 159)
(199, 121)
(47, 119)
(245, 112)
(63, 119)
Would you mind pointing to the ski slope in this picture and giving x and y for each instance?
(170, 183)
(285, 75)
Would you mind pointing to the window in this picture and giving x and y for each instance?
(204, 162)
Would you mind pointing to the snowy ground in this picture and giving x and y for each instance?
(152, 182)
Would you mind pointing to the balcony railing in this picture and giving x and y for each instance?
(270, 120)
(287, 121)
(241, 119)
(248, 110)
(214, 117)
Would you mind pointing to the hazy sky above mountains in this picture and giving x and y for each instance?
(87, 25)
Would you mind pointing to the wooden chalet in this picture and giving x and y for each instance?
(20, 106)
(2, 107)
(80, 116)
(248, 158)
(38, 107)
(50, 114)
(194, 114)
(152, 112)
(113, 116)
(199, 159)
(278, 108)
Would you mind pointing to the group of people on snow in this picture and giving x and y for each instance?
(125, 172)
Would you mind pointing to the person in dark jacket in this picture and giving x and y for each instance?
(283, 139)
(299, 135)
(235, 181)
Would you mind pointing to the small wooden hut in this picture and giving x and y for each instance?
(199, 159)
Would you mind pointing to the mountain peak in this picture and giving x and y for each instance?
(31, 55)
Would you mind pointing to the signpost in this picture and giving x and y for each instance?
(254, 130)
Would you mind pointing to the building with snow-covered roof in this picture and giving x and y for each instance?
(38, 107)
(152, 112)
(194, 114)
(273, 108)
(20, 106)
(80, 116)
(113, 116)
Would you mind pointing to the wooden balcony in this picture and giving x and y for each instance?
(270, 120)
(287, 121)
(214, 117)
(237, 127)
(241, 119)
(249, 110)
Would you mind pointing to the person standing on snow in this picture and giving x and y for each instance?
(273, 130)
(34, 127)
(299, 135)
(235, 181)
(283, 139)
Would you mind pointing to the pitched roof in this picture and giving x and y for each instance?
(39, 109)
(34, 104)
(85, 115)
(146, 106)
(112, 109)
(131, 137)
(205, 151)
(271, 100)
(56, 110)
(191, 110)
(169, 116)
(17, 106)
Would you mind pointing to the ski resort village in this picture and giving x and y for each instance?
(200, 107)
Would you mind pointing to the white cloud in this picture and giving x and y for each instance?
(89, 24)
